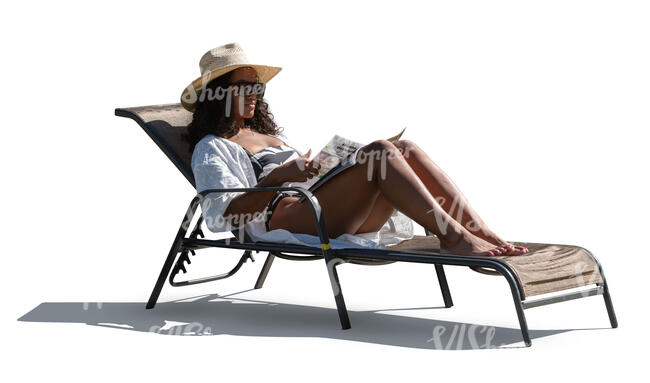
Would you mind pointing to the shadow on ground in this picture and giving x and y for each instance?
(214, 315)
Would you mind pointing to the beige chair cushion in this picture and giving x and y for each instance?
(545, 269)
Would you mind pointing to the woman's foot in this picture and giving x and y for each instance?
(468, 244)
(490, 237)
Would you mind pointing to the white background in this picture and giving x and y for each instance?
(537, 110)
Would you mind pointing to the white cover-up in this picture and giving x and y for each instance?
(218, 163)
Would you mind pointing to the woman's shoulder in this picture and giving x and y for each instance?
(211, 144)
(212, 141)
(215, 155)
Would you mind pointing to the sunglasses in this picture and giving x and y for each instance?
(248, 88)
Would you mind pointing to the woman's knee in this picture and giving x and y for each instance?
(379, 145)
(406, 147)
(377, 150)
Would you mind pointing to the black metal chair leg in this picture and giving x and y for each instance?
(173, 252)
(608, 299)
(338, 294)
(516, 296)
(522, 320)
(442, 279)
(265, 270)
(515, 286)
(444, 287)
(609, 306)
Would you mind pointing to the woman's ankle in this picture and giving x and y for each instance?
(452, 236)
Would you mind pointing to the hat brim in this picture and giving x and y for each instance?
(192, 92)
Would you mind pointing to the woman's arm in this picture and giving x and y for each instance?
(245, 206)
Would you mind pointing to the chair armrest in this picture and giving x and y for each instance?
(306, 194)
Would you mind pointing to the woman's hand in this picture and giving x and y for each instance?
(299, 170)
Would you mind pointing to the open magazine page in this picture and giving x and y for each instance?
(336, 156)
(336, 150)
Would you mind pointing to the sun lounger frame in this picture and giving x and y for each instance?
(186, 245)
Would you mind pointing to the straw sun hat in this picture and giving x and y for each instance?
(217, 62)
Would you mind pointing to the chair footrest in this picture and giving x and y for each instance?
(184, 258)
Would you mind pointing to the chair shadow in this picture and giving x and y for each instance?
(215, 314)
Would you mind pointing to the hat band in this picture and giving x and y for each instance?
(220, 63)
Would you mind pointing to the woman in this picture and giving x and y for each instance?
(230, 113)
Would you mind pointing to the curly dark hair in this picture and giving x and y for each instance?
(210, 116)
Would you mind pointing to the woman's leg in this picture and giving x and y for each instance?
(379, 213)
(447, 193)
(348, 199)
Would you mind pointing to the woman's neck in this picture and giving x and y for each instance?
(239, 123)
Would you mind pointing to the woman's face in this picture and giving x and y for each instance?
(243, 106)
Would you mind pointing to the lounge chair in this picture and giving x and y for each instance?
(547, 268)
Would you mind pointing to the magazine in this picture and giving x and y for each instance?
(335, 157)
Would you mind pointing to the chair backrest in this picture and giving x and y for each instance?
(165, 124)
